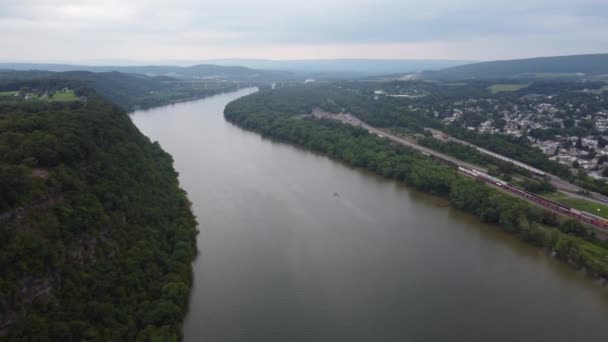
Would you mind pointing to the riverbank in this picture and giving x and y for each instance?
(268, 113)
(155, 101)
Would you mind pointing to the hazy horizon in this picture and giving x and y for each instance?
(224, 61)
(148, 32)
(185, 63)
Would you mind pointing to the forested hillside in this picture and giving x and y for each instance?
(96, 237)
(199, 71)
(560, 66)
(129, 91)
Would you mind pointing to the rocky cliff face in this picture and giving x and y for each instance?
(40, 289)
(30, 291)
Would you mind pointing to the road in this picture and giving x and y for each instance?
(353, 120)
(560, 184)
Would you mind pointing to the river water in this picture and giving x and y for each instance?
(296, 247)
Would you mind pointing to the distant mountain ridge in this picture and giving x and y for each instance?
(282, 70)
(360, 67)
(127, 90)
(205, 71)
(583, 65)
(257, 69)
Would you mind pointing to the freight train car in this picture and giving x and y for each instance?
(577, 214)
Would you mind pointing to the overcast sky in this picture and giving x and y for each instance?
(163, 30)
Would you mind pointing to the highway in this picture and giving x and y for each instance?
(354, 121)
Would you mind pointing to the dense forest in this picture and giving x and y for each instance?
(96, 236)
(277, 115)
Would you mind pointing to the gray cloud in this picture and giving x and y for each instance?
(189, 29)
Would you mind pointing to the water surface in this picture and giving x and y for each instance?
(297, 247)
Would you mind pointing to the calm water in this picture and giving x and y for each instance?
(296, 247)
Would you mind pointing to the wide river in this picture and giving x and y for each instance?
(296, 247)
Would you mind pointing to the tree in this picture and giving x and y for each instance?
(161, 313)
(588, 124)
(523, 227)
(579, 143)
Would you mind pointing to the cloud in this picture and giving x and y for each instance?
(190, 29)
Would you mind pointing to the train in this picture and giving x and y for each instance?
(583, 216)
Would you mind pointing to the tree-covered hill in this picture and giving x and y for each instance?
(200, 71)
(96, 237)
(126, 90)
(560, 66)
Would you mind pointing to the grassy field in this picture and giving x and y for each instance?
(497, 88)
(601, 90)
(580, 204)
(64, 96)
(557, 75)
(60, 96)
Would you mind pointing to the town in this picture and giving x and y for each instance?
(570, 125)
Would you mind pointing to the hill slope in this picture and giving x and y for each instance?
(126, 90)
(201, 71)
(549, 66)
(354, 67)
(97, 238)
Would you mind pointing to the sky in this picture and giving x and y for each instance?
(85, 31)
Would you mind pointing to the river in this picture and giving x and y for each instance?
(296, 247)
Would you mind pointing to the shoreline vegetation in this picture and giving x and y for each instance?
(97, 237)
(277, 114)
